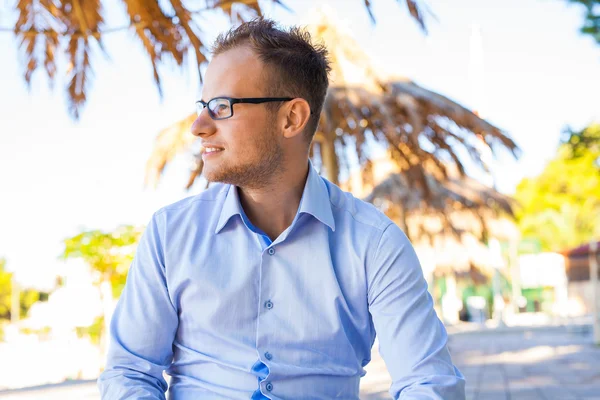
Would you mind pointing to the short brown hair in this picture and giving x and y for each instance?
(299, 67)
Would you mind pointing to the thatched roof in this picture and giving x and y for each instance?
(419, 124)
(455, 205)
(455, 193)
(168, 31)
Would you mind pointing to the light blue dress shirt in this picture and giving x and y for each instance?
(231, 315)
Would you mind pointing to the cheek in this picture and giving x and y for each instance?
(238, 139)
(245, 139)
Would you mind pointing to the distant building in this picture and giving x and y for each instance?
(578, 276)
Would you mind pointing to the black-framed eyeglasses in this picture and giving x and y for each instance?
(222, 107)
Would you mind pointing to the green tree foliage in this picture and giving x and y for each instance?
(591, 24)
(26, 298)
(55, 33)
(561, 206)
(5, 290)
(583, 141)
(107, 253)
(94, 331)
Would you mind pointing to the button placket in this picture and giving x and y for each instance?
(265, 290)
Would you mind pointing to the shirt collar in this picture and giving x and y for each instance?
(315, 198)
(315, 201)
(231, 206)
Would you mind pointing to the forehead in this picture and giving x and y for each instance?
(236, 73)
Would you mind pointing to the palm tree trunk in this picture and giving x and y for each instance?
(330, 160)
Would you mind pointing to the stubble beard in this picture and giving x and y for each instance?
(254, 173)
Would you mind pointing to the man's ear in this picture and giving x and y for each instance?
(296, 116)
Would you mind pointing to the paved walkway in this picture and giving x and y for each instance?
(541, 364)
(553, 363)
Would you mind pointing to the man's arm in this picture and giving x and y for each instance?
(412, 340)
(143, 326)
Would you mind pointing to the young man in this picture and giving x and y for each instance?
(273, 282)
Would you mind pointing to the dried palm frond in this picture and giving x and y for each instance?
(171, 141)
(417, 124)
(50, 29)
(413, 9)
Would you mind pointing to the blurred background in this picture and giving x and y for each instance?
(473, 124)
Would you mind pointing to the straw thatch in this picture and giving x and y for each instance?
(454, 193)
(472, 201)
(168, 30)
(418, 125)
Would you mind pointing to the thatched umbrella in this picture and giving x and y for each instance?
(169, 30)
(397, 113)
(451, 195)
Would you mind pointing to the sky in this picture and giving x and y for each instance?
(59, 176)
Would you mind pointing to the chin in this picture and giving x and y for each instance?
(213, 177)
(218, 175)
(242, 174)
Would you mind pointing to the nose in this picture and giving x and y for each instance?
(204, 125)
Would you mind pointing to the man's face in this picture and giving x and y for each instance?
(249, 146)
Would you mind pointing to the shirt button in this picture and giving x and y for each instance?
(271, 251)
(268, 304)
(268, 355)
(269, 387)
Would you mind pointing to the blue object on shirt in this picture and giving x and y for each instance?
(231, 315)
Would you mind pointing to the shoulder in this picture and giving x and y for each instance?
(383, 237)
(359, 213)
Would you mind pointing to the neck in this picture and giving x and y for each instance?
(273, 207)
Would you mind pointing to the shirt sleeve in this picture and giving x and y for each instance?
(143, 326)
(412, 339)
